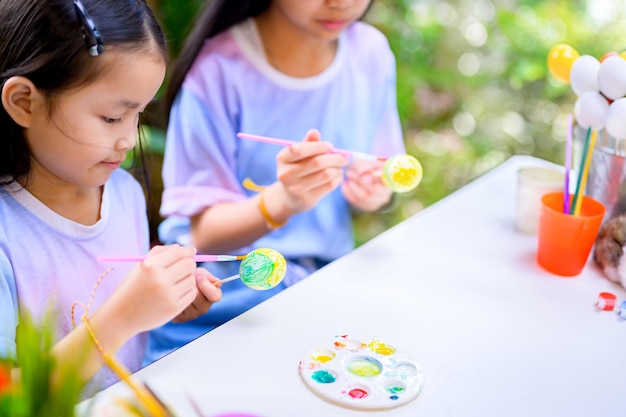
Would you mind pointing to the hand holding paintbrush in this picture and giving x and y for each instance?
(401, 173)
(260, 269)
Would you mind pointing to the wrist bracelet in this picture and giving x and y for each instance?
(269, 221)
(152, 404)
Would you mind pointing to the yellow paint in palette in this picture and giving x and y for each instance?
(323, 355)
(323, 358)
(381, 348)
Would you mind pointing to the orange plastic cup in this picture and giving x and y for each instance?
(565, 240)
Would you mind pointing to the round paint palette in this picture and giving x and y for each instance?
(362, 373)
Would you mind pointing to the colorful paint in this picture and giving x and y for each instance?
(323, 356)
(323, 377)
(382, 348)
(357, 393)
(365, 367)
(263, 269)
(345, 342)
(394, 389)
(371, 374)
(402, 173)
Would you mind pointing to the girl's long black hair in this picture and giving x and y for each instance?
(43, 41)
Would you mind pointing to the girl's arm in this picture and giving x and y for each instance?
(155, 291)
(306, 172)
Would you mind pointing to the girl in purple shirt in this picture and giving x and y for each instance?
(276, 68)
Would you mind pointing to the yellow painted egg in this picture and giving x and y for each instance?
(402, 173)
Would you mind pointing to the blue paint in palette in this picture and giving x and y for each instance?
(323, 377)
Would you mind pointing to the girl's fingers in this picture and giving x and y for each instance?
(302, 151)
(313, 135)
(325, 167)
(310, 146)
(188, 296)
(360, 167)
(207, 294)
(207, 288)
(181, 270)
(157, 249)
(164, 256)
(353, 192)
(319, 179)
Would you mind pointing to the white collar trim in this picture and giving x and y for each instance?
(247, 36)
(55, 220)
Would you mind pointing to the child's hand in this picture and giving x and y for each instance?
(308, 171)
(208, 293)
(363, 187)
(157, 289)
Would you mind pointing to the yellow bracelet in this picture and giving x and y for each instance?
(144, 395)
(269, 221)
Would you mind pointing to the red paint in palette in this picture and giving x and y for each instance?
(358, 393)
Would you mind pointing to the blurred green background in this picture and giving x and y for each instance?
(473, 84)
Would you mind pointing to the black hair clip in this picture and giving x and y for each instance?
(91, 35)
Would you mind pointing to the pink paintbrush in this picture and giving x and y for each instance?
(285, 142)
(197, 258)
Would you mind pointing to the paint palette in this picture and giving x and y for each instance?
(362, 373)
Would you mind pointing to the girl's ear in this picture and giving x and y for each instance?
(19, 99)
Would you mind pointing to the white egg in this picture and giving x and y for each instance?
(612, 77)
(583, 75)
(616, 119)
(590, 110)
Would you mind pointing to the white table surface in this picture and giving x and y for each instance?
(457, 287)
